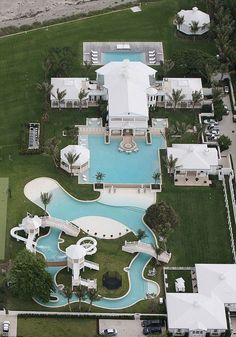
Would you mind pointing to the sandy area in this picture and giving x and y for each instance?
(21, 12)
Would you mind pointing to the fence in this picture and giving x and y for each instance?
(232, 243)
(232, 193)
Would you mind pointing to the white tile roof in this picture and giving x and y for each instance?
(194, 14)
(72, 85)
(193, 156)
(195, 311)
(187, 85)
(218, 280)
(127, 83)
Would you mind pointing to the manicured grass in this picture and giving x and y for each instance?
(202, 234)
(3, 214)
(172, 275)
(56, 327)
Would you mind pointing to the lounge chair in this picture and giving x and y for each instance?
(152, 51)
(152, 62)
(94, 58)
(94, 52)
(94, 62)
(152, 59)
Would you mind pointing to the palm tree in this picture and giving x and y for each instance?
(194, 28)
(156, 176)
(180, 128)
(199, 129)
(171, 164)
(141, 234)
(68, 293)
(46, 66)
(179, 20)
(72, 158)
(52, 149)
(45, 198)
(46, 89)
(81, 96)
(165, 67)
(100, 176)
(81, 293)
(196, 98)
(176, 97)
(93, 296)
(59, 96)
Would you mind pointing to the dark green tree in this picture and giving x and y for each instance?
(81, 293)
(161, 218)
(224, 142)
(29, 278)
(45, 198)
(93, 296)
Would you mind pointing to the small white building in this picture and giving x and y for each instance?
(195, 15)
(195, 314)
(195, 162)
(73, 86)
(187, 87)
(82, 162)
(128, 94)
(204, 312)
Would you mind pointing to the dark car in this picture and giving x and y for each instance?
(151, 330)
(152, 322)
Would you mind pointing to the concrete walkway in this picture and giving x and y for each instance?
(228, 128)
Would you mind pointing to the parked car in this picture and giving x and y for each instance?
(5, 328)
(226, 109)
(153, 322)
(226, 89)
(109, 332)
(151, 330)
(234, 118)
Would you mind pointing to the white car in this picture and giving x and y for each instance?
(109, 332)
(5, 327)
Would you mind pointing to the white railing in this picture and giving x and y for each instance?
(65, 226)
(232, 243)
(91, 265)
(231, 187)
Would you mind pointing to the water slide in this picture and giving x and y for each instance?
(29, 241)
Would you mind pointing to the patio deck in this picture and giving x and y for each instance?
(134, 47)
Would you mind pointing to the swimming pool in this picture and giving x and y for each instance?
(123, 168)
(122, 55)
(66, 207)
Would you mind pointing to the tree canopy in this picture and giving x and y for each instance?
(161, 218)
(29, 278)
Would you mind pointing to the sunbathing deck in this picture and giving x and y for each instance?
(33, 189)
(93, 51)
(101, 227)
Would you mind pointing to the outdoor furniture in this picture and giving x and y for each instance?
(180, 285)
(122, 46)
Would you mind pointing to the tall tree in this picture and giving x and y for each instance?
(46, 89)
(141, 234)
(45, 198)
(59, 97)
(156, 176)
(93, 296)
(68, 293)
(72, 158)
(51, 148)
(194, 28)
(81, 293)
(100, 176)
(196, 98)
(82, 95)
(29, 278)
(179, 20)
(170, 163)
(164, 68)
(176, 97)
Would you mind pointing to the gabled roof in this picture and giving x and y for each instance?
(217, 279)
(127, 83)
(193, 156)
(195, 311)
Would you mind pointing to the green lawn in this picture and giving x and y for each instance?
(56, 327)
(172, 275)
(4, 191)
(202, 235)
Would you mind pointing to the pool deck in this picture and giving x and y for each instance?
(135, 47)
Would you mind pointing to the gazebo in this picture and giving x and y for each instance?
(81, 163)
(193, 15)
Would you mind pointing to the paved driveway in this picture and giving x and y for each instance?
(13, 323)
(125, 328)
(228, 128)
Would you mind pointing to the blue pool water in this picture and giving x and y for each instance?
(120, 167)
(122, 55)
(65, 207)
